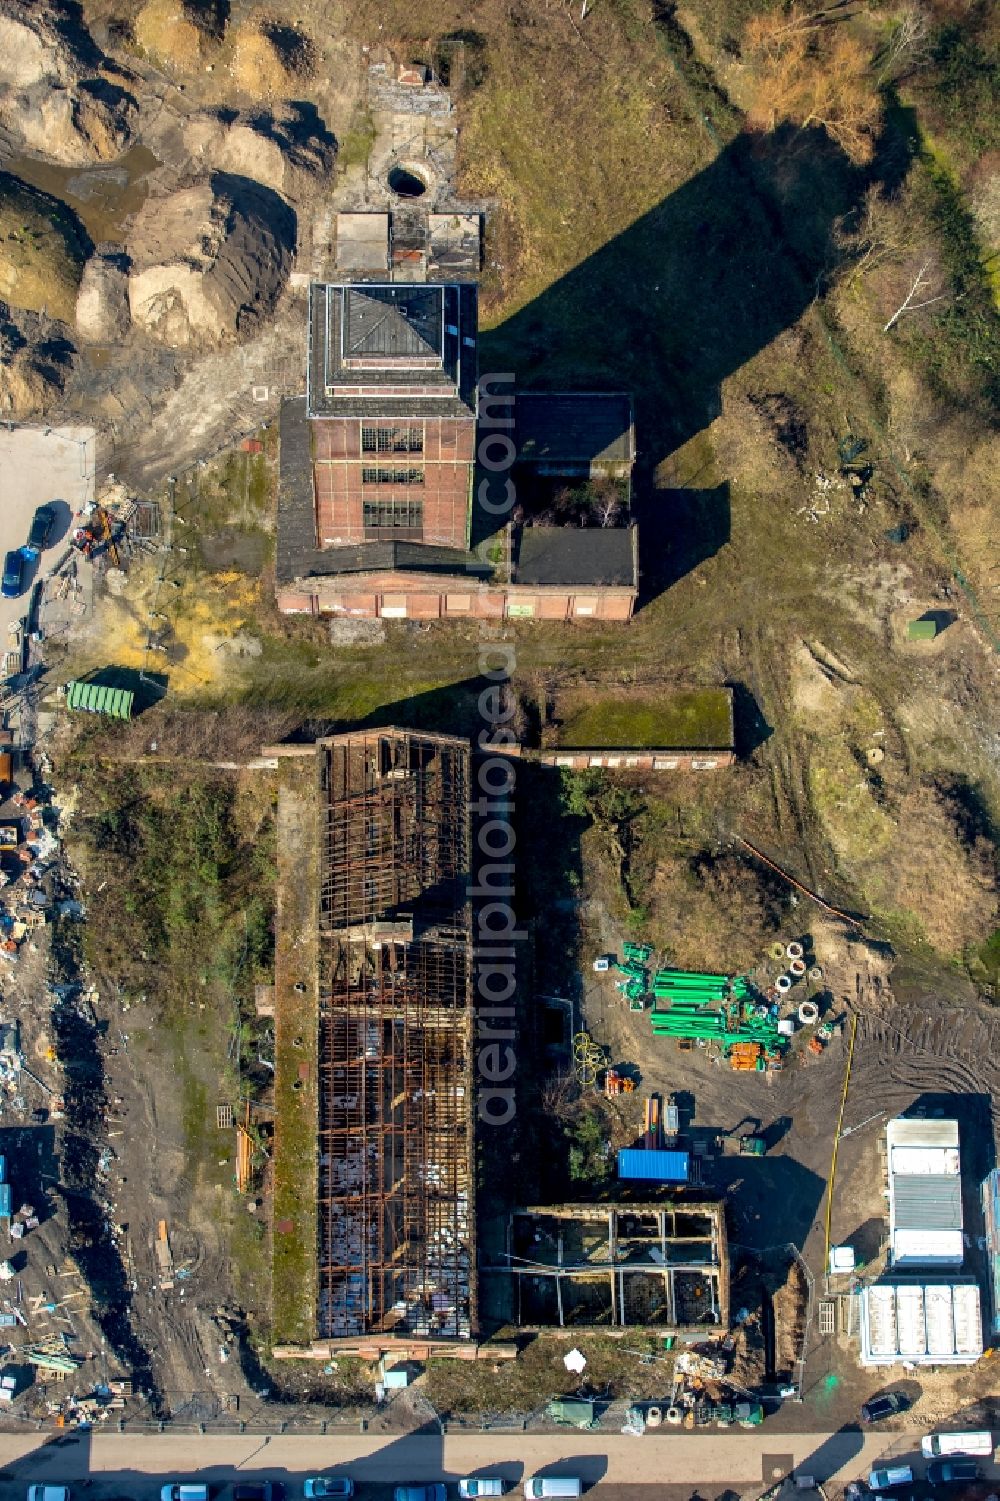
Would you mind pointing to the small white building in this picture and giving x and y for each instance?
(923, 1323)
(925, 1194)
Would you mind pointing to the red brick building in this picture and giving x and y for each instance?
(391, 391)
(378, 467)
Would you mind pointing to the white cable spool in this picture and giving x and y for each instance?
(808, 1013)
(794, 951)
(673, 1415)
(783, 984)
(654, 1417)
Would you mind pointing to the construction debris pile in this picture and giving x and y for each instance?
(702, 1396)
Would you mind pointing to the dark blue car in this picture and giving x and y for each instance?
(13, 574)
(41, 529)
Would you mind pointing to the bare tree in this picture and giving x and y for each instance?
(921, 283)
(883, 235)
(908, 45)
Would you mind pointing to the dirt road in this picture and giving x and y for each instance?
(138, 1465)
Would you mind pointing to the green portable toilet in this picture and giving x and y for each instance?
(572, 1412)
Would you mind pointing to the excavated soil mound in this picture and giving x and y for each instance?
(165, 30)
(102, 311)
(33, 367)
(284, 147)
(89, 123)
(54, 97)
(42, 250)
(209, 261)
(270, 59)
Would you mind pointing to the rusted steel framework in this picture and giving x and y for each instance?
(396, 1235)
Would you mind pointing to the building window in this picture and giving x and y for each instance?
(393, 517)
(392, 440)
(392, 476)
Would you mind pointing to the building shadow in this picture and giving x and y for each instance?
(682, 299)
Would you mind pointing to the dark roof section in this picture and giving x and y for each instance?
(577, 555)
(298, 557)
(395, 323)
(574, 427)
(392, 323)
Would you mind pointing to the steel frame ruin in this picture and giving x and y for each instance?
(640, 1255)
(396, 1234)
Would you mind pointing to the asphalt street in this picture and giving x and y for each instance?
(106, 1465)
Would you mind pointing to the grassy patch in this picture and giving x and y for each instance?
(186, 904)
(357, 142)
(691, 719)
(293, 1282)
(614, 1368)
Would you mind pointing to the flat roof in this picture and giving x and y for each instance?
(396, 349)
(927, 1323)
(918, 1131)
(573, 427)
(598, 556)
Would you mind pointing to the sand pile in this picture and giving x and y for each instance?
(102, 310)
(166, 30)
(270, 59)
(209, 261)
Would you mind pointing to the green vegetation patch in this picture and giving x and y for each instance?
(293, 1276)
(695, 719)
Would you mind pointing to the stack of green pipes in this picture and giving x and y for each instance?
(709, 1006)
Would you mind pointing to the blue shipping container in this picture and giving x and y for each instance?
(5, 1201)
(3, 1168)
(654, 1166)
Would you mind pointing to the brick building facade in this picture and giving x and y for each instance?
(391, 392)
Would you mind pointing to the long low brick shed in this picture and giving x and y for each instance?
(638, 760)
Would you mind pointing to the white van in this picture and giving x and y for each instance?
(935, 1445)
(559, 1487)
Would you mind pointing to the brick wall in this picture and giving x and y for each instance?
(639, 760)
(425, 597)
(446, 460)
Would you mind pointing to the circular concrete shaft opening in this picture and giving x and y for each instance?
(406, 183)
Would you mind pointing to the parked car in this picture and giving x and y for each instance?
(259, 1490)
(435, 1492)
(886, 1406)
(559, 1487)
(951, 1471)
(48, 1493)
(329, 1485)
(41, 528)
(184, 1490)
(889, 1478)
(485, 1485)
(13, 574)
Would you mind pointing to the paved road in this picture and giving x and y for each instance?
(136, 1465)
(39, 465)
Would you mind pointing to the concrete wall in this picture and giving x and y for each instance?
(426, 597)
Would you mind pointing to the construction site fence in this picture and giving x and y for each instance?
(314, 1427)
